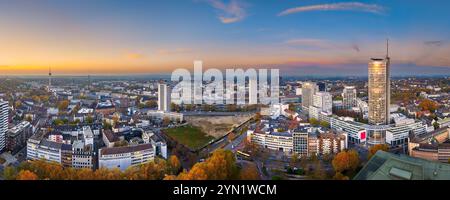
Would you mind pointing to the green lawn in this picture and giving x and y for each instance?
(190, 136)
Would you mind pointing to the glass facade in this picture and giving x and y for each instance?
(379, 91)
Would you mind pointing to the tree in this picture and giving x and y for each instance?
(26, 175)
(249, 172)
(170, 177)
(9, 173)
(340, 176)
(291, 107)
(58, 122)
(220, 166)
(314, 121)
(257, 117)
(151, 104)
(166, 121)
(106, 125)
(175, 107)
(429, 105)
(189, 107)
(231, 107)
(324, 124)
(231, 136)
(294, 160)
(89, 119)
(122, 143)
(29, 119)
(373, 149)
(17, 104)
(198, 172)
(436, 125)
(319, 171)
(63, 105)
(346, 161)
(174, 164)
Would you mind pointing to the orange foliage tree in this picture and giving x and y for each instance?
(174, 164)
(249, 172)
(26, 175)
(373, 149)
(220, 166)
(346, 161)
(429, 105)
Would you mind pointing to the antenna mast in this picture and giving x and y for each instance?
(387, 48)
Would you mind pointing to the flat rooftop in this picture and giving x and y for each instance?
(389, 166)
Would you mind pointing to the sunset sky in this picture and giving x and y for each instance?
(298, 36)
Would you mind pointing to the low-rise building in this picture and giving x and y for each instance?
(124, 157)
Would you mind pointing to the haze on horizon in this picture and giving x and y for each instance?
(319, 37)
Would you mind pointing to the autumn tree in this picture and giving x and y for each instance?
(17, 104)
(294, 160)
(63, 105)
(170, 177)
(346, 161)
(257, 117)
(249, 172)
(151, 104)
(29, 119)
(231, 107)
(166, 121)
(220, 166)
(319, 172)
(174, 164)
(198, 172)
(175, 107)
(9, 173)
(373, 149)
(429, 105)
(26, 175)
(340, 176)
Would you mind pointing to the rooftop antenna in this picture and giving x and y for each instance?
(387, 48)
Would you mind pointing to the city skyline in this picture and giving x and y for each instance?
(298, 37)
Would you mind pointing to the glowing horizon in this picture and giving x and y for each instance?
(135, 37)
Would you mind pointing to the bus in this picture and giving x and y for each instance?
(244, 156)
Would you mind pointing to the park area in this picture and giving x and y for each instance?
(190, 136)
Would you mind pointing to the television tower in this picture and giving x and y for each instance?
(49, 78)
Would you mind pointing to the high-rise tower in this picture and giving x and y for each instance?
(308, 90)
(3, 123)
(164, 94)
(349, 97)
(379, 89)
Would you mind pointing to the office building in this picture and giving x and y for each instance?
(164, 95)
(379, 91)
(18, 136)
(379, 97)
(252, 92)
(323, 101)
(300, 141)
(308, 90)
(349, 97)
(3, 124)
